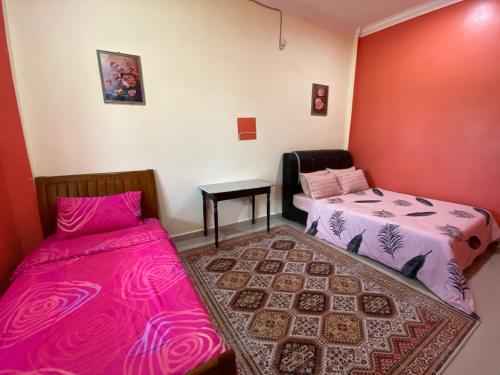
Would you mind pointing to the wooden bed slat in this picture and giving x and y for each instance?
(72, 189)
(110, 187)
(126, 184)
(82, 189)
(92, 188)
(50, 200)
(62, 190)
(118, 184)
(101, 187)
(135, 183)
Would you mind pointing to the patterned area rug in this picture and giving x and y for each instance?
(289, 304)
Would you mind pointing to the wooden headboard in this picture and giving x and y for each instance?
(92, 185)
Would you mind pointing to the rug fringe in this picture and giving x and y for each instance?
(459, 348)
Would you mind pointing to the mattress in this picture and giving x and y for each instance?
(112, 303)
(302, 202)
(427, 239)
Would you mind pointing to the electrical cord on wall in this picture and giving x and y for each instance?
(281, 42)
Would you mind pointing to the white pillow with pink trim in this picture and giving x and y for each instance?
(353, 182)
(339, 172)
(323, 186)
(305, 184)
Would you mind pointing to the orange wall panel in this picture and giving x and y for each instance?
(10, 248)
(426, 108)
(247, 128)
(19, 223)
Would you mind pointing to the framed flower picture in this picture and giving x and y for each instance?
(121, 78)
(319, 100)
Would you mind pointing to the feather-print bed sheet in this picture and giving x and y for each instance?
(427, 239)
(113, 303)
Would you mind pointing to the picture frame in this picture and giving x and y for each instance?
(319, 100)
(121, 78)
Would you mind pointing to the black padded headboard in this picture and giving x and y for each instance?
(310, 161)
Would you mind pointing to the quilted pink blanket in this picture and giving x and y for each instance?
(112, 303)
(431, 240)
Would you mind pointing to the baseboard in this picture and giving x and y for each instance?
(227, 227)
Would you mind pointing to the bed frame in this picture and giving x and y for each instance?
(310, 161)
(99, 184)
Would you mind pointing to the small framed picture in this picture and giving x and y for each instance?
(319, 101)
(121, 78)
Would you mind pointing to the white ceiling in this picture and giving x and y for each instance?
(344, 16)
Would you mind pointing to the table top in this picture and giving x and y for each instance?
(234, 186)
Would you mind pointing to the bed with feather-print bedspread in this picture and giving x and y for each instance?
(113, 303)
(427, 239)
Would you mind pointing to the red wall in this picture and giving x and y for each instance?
(426, 110)
(19, 223)
(10, 248)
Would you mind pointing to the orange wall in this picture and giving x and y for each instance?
(426, 110)
(10, 248)
(19, 223)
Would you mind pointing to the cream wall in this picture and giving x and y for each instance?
(205, 62)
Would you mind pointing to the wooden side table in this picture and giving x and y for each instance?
(232, 190)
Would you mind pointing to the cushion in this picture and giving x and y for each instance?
(339, 172)
(80, 216)
(305, 184)
(323, 186)
(353, 182)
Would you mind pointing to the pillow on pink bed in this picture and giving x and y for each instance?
(80, 216)
(323, 186)
(305, 184)
(353, 182)
(339, 172)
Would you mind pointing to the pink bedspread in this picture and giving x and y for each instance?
(112, 303)
(427, 239)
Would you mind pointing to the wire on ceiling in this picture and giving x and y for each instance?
(281, 41)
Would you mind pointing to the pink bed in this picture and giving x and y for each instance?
(427, 239)
(113, 303)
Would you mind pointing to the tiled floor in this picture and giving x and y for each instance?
(480, 354)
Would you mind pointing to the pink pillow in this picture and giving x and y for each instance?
(305, 184)
(339, 172)
(353, 182)
(80, 216)
(323, 186)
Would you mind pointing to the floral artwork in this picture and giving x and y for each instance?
(319, 101)
(121, 78)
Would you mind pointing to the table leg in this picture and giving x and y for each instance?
(253, 209)
(216, 223)
(268, 210)
(205, 232)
